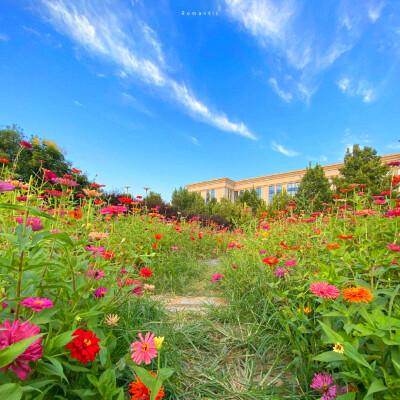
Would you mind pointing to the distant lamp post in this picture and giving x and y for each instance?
(127, 189)
(145, 199)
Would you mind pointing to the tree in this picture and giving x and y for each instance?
(154, 199)
(184, 200)
(279, 202)
(44, 154)
(363, 166)
(251, 199)
(314, 190)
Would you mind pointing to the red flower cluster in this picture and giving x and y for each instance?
(146, 272)
(272, 260)
(84, 346)
(125, 200)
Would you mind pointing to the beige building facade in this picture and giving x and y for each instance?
(266, 186)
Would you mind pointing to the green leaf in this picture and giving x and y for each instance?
(347, 396)
(10, 391)
(10, 353)
(352, 353)
(329, 356)
(53, 367)
(376, 386)
(148, 379)
(32, 211)
(61, 340)
(332, 336)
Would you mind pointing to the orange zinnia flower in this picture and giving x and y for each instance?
(332, 246)
(357, 295)
(139, 391)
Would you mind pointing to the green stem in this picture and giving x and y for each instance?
(19, 283)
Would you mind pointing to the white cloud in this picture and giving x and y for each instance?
(195, 141)
(374, 10)
(3, 37)
(361, 88)
(283, 150)
(134, 103)
(77, 103)
(286, 96)
(100, 75)
(106, 33)
(285, 29)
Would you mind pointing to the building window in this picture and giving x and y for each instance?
(278, 188)
(212, 193)
(241, 192)
(271, 192)
(258, 191)
(293, 188)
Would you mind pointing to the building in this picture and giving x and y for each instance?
(266, 186)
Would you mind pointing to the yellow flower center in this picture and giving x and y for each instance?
(87, 342)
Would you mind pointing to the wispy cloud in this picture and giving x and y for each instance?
(286, 96)
(374, 9)
(78, 103)
(360, 88)
(283, 150)
(350, 139)
(285, 29)
(122, 38)
(194, 140)
(3, 37)
(134, 103)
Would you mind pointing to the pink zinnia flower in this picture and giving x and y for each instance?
(174, 248)
(111, 210)
(65, 182)
(13, 332)
(37, 303)
(263, 251)
(393, 246)
(100, 292)
(323, 383)
(34, 222)
(144, 350)
(280, 272)
(95, 250)
(6, 187)
(323, 289)
(216, 277)
(95, 274)
(138, 290)
(291, 263)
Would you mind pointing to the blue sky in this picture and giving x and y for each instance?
(143, 93)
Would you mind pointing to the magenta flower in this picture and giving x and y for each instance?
(137, 290)
(13, 332)
(323, 383)
(393, 246)
(291, 263)
(111, 210)
(216, 277)
(95, 274)
(100, 292)
(6, 187)
(280, 272)
(95, 250)
(37, 303)
(393, 213)
(174, 248)
(263, 251)
(25, 144)
(324, 290)
(49, 176)
(34, 222)
(144, 350)
(65, 182)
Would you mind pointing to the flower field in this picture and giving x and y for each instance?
(310, 304)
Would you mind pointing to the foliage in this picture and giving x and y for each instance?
(250, 199)
(363, 166)
(186, 201)
(43, 155)
(279, 202)
(154, 199)
(314, 191)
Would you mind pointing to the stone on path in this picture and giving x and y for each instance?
(189, 303)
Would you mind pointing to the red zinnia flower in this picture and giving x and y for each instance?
(125, 200)
(4, 160)
(345, 236)
(146, 272)
(25, 144)
(158, 236)
(84, 346)
(76, 171)
(272, 260)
